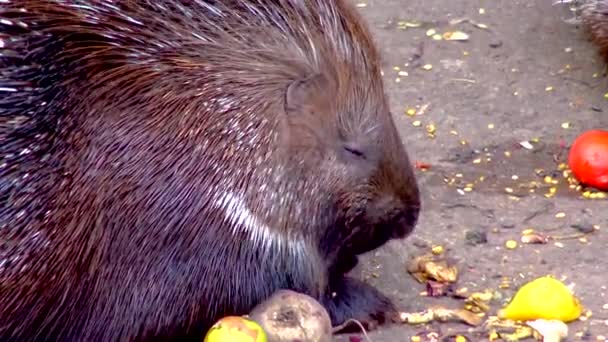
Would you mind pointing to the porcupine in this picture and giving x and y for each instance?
(593, 16)
(167, 163)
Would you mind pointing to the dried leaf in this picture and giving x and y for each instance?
(418, 317)
(431, 267)
(443, 315)
(480, 301)
(520, 333)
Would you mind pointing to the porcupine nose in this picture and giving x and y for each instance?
(405, 220)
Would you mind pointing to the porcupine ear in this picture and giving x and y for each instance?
(306, 93)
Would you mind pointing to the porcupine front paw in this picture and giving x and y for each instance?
(350, 298)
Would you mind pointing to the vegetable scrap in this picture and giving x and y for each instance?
(455, 35)
(237, 329)
(543, 298)
(430, 130)
(539, 309)
(432, 267)
(588, 159)
(431, 336)
(550, 330)
(511, 244)
(285, 316)
(540, 329)
(442, 315)
(532, 237)
(422, 165)
(437, 250)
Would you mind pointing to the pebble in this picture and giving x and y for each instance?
(506, 223)
(476, 237)
(585, 228)
(495, 44)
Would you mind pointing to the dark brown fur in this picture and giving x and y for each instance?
(165, 163)
(594, 17)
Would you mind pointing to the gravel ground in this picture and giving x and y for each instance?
(521, 79)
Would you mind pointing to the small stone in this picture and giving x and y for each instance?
(507, 224)
(495, 44)
(420, 243)
(584, 228)
(475, 237)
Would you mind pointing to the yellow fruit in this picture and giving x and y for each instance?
(543, 298)
(235, 329)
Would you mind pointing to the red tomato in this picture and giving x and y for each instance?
(588, 159)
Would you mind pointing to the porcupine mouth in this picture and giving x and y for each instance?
(399, 226)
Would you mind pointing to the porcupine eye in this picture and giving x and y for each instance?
(354, 151)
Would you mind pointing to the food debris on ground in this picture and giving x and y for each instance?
(511, 244)
(532, 237)
(588, 159)
(422, 165)
(480, 301)
(550, 330)
(527, 145)
(437, 250)
(436, 289)
(291, 316)
(443, 315)
(455, 35)
(543, 298)
(236, 329)
(432, 267)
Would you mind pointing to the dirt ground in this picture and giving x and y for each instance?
(518, 80)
